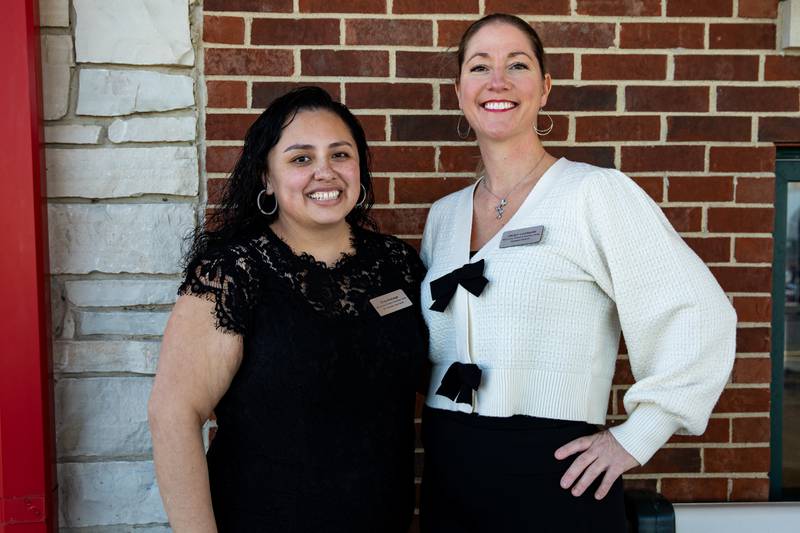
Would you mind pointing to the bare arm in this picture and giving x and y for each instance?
(195, 368)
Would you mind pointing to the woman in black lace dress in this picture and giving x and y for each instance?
(300, 328)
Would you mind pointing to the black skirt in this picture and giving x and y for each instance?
(488, 474)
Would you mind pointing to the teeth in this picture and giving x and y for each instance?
(498, 105)
(324, 195)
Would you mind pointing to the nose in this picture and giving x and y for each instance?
(324, 170)
(498, 81)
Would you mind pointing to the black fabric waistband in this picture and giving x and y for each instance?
(509, 423)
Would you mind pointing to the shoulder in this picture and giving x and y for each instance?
(393, 251)
(387, 243)
(447, 205)
(219, 265)
(594, 180)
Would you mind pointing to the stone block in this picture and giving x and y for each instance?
(107, 493)
(134, 32)
(56, 62)
(72, 134)
(135, 238)
(139, 357)
(153, 129)
(121, 322)
(121, 172)
(102, 417)
(121, 292)
(108, 93)
(54, 13)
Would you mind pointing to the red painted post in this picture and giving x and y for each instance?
(27, 451)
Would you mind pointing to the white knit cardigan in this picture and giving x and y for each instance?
(545, 331)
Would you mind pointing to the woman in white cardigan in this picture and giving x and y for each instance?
(533, 271)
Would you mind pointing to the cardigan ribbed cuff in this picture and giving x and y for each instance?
(647, 428)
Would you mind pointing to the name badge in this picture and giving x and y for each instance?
(391, 302)
(522, 237)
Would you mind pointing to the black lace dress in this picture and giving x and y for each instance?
(316, 431)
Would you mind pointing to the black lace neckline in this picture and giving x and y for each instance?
(234, 276)
(306, 259)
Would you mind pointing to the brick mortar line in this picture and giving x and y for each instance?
(563, 82)
(754, 414)
(434, 111)
(700, 475)
(675, 52)
(404, 111)
(248, 31)
(560, 144)
(468, 17)
(743, 265)
(467, 173)
(712, 203)
(730, 445)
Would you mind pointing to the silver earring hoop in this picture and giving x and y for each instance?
(258, 203)
(462, 135)
(361, 200)
(546, 130)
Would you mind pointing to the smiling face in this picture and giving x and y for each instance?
(313, 171)
(501, 86)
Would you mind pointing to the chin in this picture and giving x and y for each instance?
(329, 219)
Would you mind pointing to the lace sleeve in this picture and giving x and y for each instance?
(227, 280)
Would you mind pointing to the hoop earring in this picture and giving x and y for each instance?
(546, 130)
(361, 200)
(258, 203)
(463, 136)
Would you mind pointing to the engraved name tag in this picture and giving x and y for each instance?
(522, 237)
(391, 302)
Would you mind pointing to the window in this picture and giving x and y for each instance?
(785, 409)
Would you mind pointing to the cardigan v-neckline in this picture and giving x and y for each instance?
(467, 205)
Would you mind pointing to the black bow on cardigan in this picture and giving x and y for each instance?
(469, 276)
(459, 381)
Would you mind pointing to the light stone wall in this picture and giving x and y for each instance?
(122, 99)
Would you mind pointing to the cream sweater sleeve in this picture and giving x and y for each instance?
(679, 326)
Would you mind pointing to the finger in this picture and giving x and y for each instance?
(609, 478)
(573, 447)
(576, 468)
(589, 475)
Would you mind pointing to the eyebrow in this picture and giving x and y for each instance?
(310, 146)
(512, 54)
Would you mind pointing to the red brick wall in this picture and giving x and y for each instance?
(688, 97)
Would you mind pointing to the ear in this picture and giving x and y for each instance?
(548, 84)
(268, 185)
(457, 89)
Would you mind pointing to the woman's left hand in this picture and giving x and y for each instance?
(601, 453)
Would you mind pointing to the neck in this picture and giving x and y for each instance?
(325, 243)
(510, 161)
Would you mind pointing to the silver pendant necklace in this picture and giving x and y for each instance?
(500, 208)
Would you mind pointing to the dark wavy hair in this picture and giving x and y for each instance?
(237, 215)
(502, 18)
